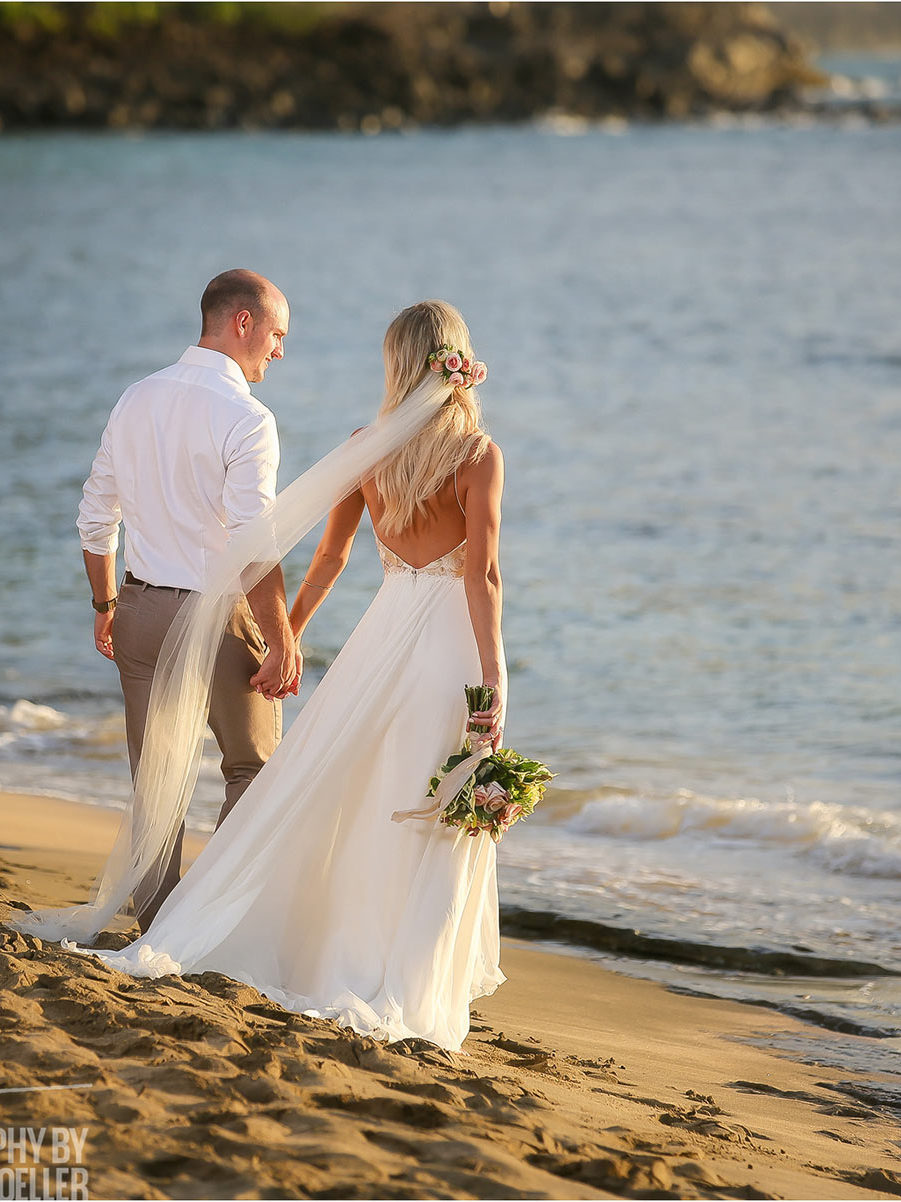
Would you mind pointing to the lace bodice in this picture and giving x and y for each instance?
(449, 564)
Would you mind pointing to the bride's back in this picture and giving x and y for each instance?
(427, 537)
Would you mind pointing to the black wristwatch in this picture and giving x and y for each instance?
(104, 607)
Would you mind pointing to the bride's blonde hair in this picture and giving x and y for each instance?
(455, 434)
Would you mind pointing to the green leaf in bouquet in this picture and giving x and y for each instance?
(485, 771)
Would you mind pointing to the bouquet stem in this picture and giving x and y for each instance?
(478, 699)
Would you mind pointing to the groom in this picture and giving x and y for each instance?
(187, 457)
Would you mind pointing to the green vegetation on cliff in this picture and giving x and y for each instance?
(112, 19)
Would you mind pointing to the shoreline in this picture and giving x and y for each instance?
(812, 115)
(796, 982)
(575, 1081)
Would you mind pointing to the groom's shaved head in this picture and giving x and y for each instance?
(232, 292)
(245, 317)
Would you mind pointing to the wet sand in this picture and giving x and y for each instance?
(574, 1083)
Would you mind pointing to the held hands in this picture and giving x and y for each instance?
(279, 673)
(103, 634)
(493, 717)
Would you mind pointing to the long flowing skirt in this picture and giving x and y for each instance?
(309, 891)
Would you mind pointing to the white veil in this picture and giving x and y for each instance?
(179, 699)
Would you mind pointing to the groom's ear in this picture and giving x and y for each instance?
(243, 323)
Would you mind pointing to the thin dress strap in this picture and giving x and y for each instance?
(457, 495)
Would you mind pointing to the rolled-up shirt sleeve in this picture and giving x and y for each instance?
(251, 469)
(99, 513)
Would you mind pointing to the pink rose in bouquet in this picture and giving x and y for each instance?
(491, 797)
(509, 813)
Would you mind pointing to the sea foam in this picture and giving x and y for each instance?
(853, 840)
(26, 715)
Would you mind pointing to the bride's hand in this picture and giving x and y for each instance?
(493, 717)
(298, 664)
(294, 687)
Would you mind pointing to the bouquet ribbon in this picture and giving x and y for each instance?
(450, 785)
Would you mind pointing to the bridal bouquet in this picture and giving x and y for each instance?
(503, 786)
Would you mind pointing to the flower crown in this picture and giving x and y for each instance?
(456, 369)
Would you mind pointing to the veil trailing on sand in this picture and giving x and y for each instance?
(179, 699)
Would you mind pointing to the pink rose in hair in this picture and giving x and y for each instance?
(456, 379)
(437, 365)
(453, 362)
(491, 797)
(479, 372)
(441, 355)
(466, 365)
(467, 381)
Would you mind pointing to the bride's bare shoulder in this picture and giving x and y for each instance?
(482, 477)
(485, 467)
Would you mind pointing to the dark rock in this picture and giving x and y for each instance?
(379, 66)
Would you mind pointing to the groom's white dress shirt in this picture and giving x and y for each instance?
(188, 455)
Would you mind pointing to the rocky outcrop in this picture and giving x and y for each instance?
(378, 66)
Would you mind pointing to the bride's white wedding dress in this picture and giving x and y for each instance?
(309, 891)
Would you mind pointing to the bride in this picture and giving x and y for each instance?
(308, 890)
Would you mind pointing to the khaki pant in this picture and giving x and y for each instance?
(247, 726)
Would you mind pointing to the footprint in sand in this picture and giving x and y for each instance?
(697, 1121)
(425, 1116)
(883, 1181)
(429, 1053)
(393, 1143)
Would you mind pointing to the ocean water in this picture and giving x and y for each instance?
(693, 344)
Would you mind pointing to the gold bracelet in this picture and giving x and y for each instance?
(325, 587)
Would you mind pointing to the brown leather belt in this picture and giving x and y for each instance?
(171, 588)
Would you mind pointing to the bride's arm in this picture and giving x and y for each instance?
(482, 486)
(328, 560)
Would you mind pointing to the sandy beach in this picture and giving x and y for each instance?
(574, 1083)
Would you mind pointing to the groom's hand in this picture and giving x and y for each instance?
(294, 687)
(103, 634)
(277, 673)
